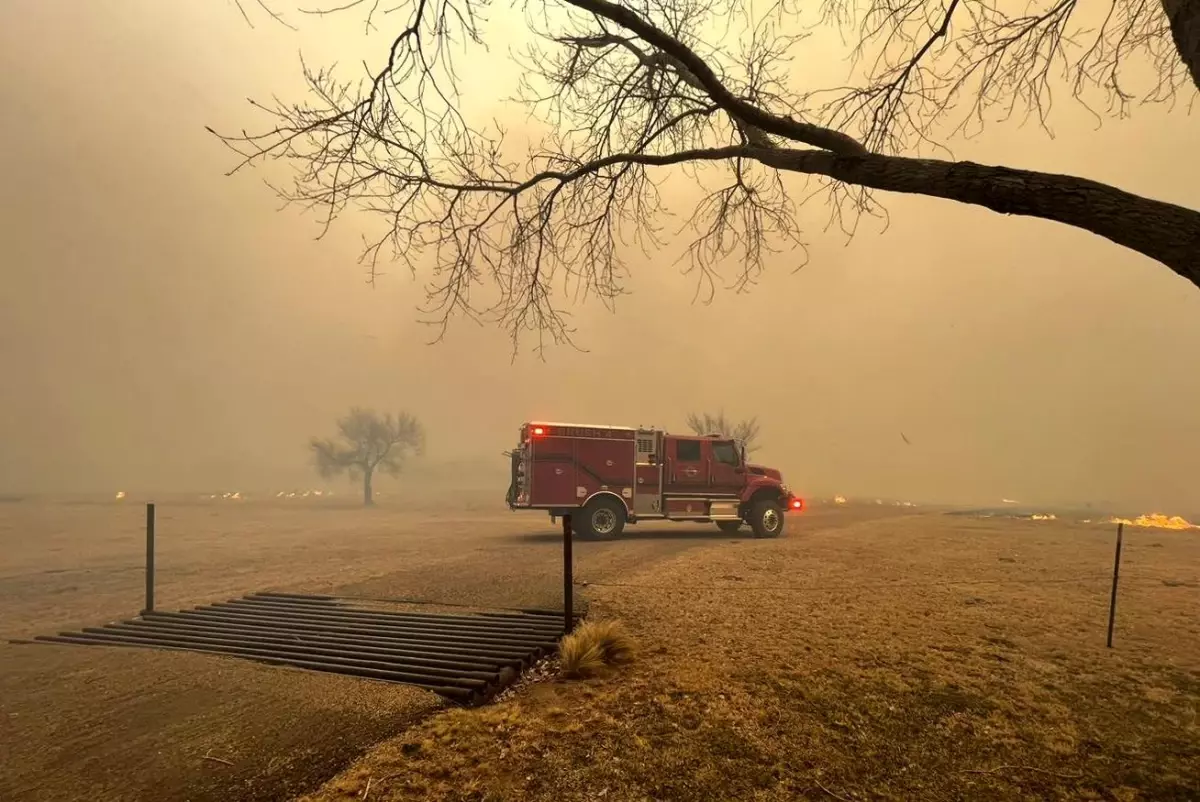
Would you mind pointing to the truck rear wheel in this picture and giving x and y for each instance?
(602, 518)
(729, 526)
(766, 518)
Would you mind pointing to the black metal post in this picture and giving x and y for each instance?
(149, 559)
(568, 577)
(1112, 605)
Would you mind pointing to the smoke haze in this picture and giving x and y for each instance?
(164, 327)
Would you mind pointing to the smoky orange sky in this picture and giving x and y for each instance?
(164, 327)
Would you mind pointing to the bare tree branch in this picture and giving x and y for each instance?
(262, 5)
(949, 65)
(701, 73)
(626, 96)
(744, 432)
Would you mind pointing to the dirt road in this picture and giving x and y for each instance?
(113, 724)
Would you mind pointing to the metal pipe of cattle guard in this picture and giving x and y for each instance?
(440, 634)
(186, 621)
(155, 629)
(401, 672)
(340, 607)
(336, 602)
(466, 624)
(468, 694)
(462, 624)
(149, 608)
(347, 656)
(449, 640)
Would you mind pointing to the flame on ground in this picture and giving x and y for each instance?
(839, 499)
(1156, 520)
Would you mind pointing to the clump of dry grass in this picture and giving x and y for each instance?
(593, 646)
(615, 641)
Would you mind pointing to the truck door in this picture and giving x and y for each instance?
(727, 475)
(687, 469)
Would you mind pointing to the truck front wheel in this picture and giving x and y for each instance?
(602, 518)
(766, 518)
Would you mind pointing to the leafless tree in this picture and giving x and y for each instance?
(368, 442)
(631, 93)
(744, 432)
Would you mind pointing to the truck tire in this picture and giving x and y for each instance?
(603, 518)
(729, 526)
(766, 518)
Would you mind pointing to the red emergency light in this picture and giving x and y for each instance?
(538, 430)
(797, 504)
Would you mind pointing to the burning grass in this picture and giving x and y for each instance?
(1156, 520)
(916, 658)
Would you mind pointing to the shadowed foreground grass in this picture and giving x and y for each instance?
(854, 664)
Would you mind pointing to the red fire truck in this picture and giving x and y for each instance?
(607, 476)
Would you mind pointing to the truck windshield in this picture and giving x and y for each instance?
(726, 453)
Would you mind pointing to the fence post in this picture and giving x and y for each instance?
(149, 559)
(1112, 605)
(568, 577)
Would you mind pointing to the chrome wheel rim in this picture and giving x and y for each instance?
(604, 522)
(770, 520)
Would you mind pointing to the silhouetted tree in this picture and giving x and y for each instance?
(628, 89)
(744, 432)
(368, 442)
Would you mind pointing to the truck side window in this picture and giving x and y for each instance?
(725, 453)
(687, 450)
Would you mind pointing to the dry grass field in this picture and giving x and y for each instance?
(927, 657)
(871, 654)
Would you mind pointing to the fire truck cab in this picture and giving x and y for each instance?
(605, 477)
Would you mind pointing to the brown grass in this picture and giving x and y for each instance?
(593, 646)
(920, 658)
(580, 657)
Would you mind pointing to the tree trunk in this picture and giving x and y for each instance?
(368, 496)
(1184, 18)
(1162, 231)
